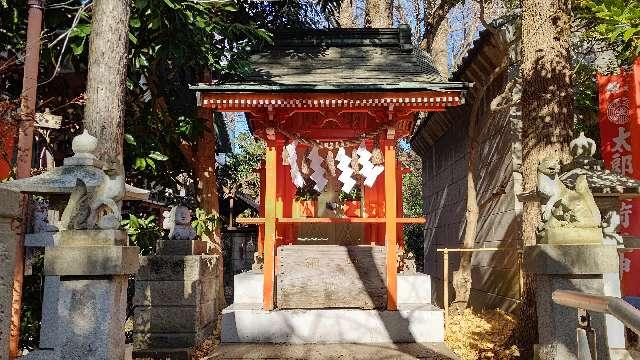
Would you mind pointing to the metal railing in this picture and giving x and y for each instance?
(585, 303)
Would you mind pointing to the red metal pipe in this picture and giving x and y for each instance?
(24, 158)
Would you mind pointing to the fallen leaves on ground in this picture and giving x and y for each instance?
(482, 335)
(206, 348)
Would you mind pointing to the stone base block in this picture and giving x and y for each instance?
(182, 247)
(570, 259)
(248, 288)
(246, 323)
(175, 340)
(178, 267)
(91, 260)
(163, 354)
(414, 289)
(93, 238)
(91, 314)
(170, 319)
(174, 293)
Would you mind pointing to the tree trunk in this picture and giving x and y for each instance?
(104, 110)
(547, 116)
(346, 18)
(378, 13)
(204, 165)
(462, 277)
(440, 49)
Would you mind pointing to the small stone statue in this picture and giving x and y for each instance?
(40, 217)
(178, 222)
(406, 262)
(258, 262)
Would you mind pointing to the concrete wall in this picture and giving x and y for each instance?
(495, 275)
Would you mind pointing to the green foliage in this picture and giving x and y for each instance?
(206, 223)
(306, 193)
(616, 22)
(238, 171)
(412, 204)
(143, 232)
(354, 195)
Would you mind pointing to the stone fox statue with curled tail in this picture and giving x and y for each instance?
(568, 216)
(97, 209)
(550, 189)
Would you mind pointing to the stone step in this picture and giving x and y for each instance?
(335, 351)
(414, 289)
(412, 323)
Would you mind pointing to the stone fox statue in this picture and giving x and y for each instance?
(97, 209)
(550, 189)
(564, 207)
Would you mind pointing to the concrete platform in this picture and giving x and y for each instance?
(334, 351)
(412, 323)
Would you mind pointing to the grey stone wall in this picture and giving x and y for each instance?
(9, 233)
(495, 274)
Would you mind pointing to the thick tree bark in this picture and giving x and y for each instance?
(204, 165)
(547, 116)
(346, 18)
(440, 49)
(104, 109)
(378, 13)
(434, 17)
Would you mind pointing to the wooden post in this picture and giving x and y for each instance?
(262, 171)
(390, 219)
(270, 182)
(445, 281)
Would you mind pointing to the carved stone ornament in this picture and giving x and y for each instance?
(568, 216)
(178, 222)
(97, 207)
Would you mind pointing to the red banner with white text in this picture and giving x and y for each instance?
(619, 97)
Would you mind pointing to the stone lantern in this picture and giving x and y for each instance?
(84, 313)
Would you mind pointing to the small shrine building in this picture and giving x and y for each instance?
(318, 99)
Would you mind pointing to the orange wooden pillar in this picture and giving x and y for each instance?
(390, 220)
(270, 183)
(261, 172)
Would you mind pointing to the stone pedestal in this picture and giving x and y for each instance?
(570, 267)
(86, 320)
(9, 227)
(175, 303)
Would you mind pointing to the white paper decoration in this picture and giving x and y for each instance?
(344, 164)
(318, 171)
(296, 176)
(367, 169)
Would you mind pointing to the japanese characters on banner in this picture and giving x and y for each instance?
(619, 136)
(619, 104)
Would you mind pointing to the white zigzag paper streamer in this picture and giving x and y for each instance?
(296, 176)
(318, 171)
(368, 170)
(344, 164)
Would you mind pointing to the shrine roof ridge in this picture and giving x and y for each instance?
(339, 60)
